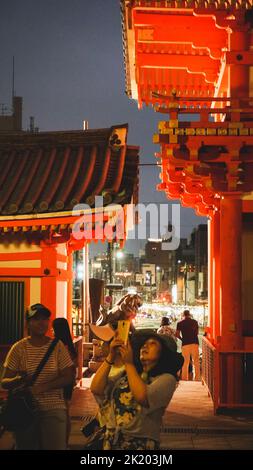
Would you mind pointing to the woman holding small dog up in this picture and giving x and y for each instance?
(133, 387)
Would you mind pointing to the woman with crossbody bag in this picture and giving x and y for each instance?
(48, 432)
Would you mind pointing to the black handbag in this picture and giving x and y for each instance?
(94, 435)
(95, 441)
(19, 409)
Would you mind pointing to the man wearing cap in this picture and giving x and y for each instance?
(49, 430)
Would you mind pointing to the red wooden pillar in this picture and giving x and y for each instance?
(216, 274)
(231, 271)
(48, 281)
(86, 298)
(210, 279)
(231, 297)
(239, 88)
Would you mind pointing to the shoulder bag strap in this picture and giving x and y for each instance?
(44, 360)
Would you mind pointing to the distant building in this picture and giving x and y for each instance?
(115, 266)
(185, 276)
(184, 269)
(146, 281)
(12, 122)
(201, 261)
(164, 261)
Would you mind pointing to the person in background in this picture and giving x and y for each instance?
(187, 332)
(49, 431)
(165, 328)
(133, 390)
(62, 332)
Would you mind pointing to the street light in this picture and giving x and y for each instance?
(80, 271)
(174, 294)
(182, 268)
(158, 280)
(119, 256)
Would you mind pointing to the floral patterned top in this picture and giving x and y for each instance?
(167, 330)
(123, 415)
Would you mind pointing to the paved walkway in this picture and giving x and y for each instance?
(189, 422)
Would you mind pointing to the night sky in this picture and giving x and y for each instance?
(68, 68)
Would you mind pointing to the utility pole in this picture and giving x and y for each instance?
(109, 257)
(185, 284)
(13, 78)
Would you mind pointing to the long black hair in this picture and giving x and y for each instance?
(62, 332)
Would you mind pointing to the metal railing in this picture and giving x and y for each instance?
(210, 369)
(236, 370)
(222, 370)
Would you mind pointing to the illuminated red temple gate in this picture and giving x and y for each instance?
(46, 179)
(188, 58)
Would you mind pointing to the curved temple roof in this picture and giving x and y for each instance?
(51, 172)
